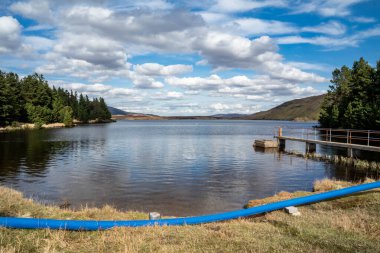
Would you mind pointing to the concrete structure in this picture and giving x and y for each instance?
(266, 143)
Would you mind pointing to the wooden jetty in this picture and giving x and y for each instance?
(350, 139)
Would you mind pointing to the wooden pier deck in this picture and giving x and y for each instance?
(366, 140)
(331, 143)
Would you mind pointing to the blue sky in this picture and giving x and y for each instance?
(188, 57)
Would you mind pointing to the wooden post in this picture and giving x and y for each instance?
(330, 134)
(280, 131)
(368, 138)
(349, 152)
(282, 144)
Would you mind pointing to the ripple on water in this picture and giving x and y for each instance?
(174, 167)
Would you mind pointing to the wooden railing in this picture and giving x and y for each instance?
(349, 136)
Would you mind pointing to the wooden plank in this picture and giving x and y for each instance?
(334, 144)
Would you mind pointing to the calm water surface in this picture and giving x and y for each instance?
(173, 167)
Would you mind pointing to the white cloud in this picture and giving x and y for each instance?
(97, 89)
(34, 9)
(96, 50)
(220, 106)
(254, 26)
(174, 94)
(231, 51)
(309, 66)
(242, 86)
(38, 43)
(363, 19)
(152, 4)
(288, 72)
(10, 34)
(330, 28)
(326, 8)
(215, 17)
(196, 83)
(171, 95)
(332, 42)
(244, 5)
(145, 82)
(155, 69)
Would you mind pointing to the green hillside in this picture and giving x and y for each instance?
(299, 109)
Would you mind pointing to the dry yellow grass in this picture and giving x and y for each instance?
(350, 224)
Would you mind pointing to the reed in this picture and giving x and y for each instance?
(357, 165)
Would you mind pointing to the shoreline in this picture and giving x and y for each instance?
(357, 165)
(31, 126)
(153, 118)
(345, 224)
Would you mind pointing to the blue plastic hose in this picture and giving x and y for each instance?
(34, 223)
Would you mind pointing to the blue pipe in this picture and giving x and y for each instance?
(33, 223)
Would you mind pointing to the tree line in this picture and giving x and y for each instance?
(353, 101)
(30, 99)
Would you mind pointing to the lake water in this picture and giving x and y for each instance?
(179, 168)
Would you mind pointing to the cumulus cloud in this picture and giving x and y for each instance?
(97, 89)
(196, 83)
(98, 42)
(10, 34)
(242, 86)
(229, 51)
(38, 43)
(245, 5)
(171, 95)
(145, 82)
(36, 10)
(254, 26)
(155, 69)
(95, 50)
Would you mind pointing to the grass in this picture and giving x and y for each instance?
(304, 109)
(357, 165)
(350, 224)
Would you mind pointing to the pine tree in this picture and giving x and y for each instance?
(353, 100)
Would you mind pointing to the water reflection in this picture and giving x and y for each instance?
(174, 167)
(28, 152)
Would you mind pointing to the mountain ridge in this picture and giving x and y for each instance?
(302, 109)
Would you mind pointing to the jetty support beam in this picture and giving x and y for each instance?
(311, 147)
(349, 152)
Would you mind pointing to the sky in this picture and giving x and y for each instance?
(188, 57)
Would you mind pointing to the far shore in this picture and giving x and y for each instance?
(156, 117)
(31, 126)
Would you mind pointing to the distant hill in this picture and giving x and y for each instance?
(120, 114)
(304, 109)
(115, 111)
(229, 116)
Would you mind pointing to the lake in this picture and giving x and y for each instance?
(178, 167)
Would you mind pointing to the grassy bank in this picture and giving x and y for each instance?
(350, 224)
(357, 165)
(31, 126)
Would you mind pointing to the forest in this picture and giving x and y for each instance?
(32, 100)
(353, 101)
